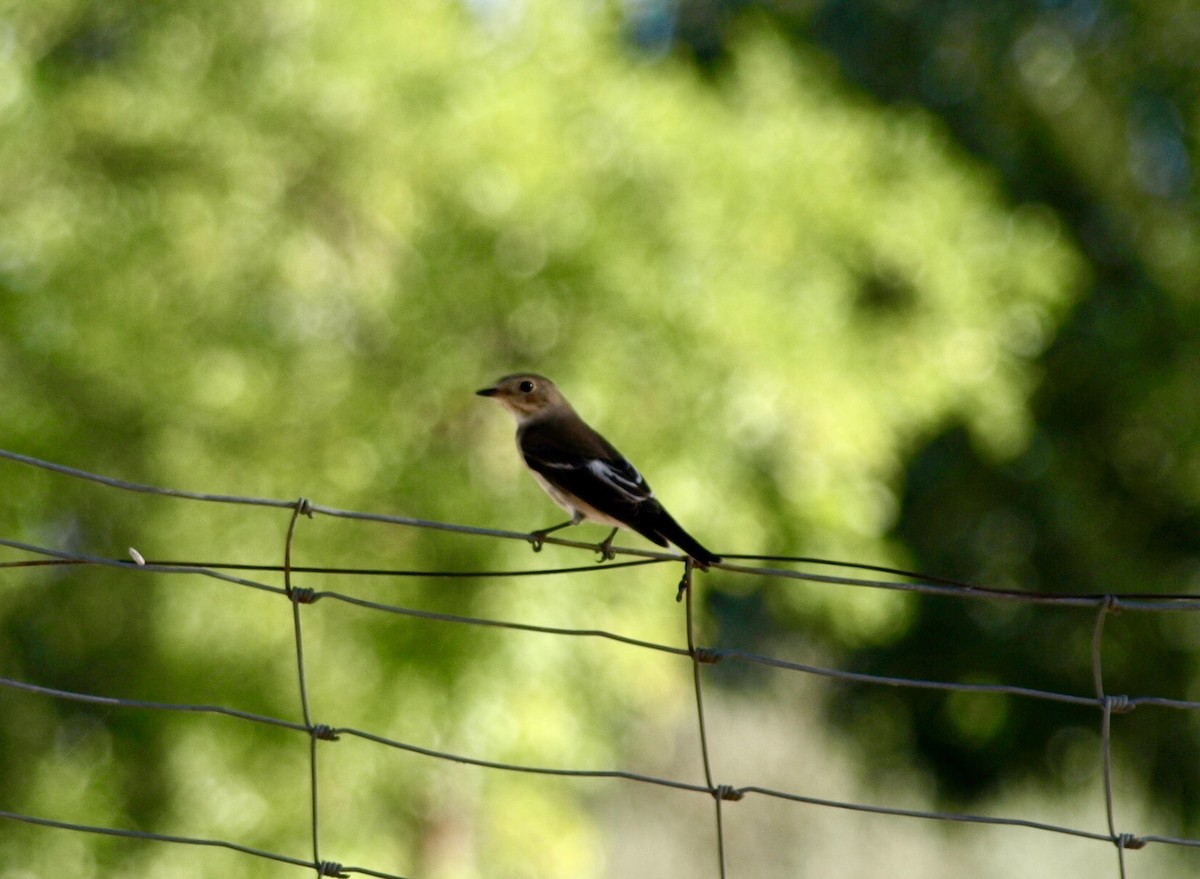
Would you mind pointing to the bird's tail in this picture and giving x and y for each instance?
(666, 527)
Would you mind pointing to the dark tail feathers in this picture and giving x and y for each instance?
(663, 528)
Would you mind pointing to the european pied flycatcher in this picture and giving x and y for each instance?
(581, 471)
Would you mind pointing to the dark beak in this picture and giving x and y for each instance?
(488, 392)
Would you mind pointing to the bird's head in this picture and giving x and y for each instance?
(525, 395)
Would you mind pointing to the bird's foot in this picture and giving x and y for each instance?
(604, 549)
(537, 539)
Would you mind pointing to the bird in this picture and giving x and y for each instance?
(582, 471)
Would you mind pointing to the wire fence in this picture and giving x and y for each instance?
(719, 791)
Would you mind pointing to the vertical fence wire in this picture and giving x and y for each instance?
(687, 588)
(316, 732)
(294, 599)
(1109, 705)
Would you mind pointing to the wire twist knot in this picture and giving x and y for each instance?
(303, 595)
(1129, 841)
(304, 507)
(1111, 604)
(324, 732)
(331, 868)
(685, 581)
(709, 655)
(1118, 704)
(728, 792)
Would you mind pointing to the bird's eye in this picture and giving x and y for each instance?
(526, 386)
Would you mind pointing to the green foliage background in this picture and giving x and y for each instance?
(271, 248)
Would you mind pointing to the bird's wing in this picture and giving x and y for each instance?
(584, 464)
(579, 462)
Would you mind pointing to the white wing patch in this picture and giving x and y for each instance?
(633, 489)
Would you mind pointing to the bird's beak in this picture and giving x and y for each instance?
(488, 392)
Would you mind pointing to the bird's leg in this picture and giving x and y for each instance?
(604, 548)
(538, 538)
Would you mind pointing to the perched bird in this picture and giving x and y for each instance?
(581, 471)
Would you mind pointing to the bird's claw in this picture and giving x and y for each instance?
(604, 549)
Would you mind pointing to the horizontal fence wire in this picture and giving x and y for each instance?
(1103, 605)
